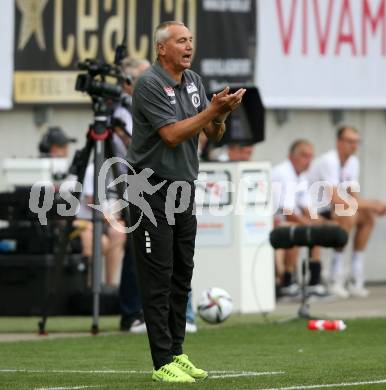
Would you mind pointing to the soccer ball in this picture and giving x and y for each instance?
(215, 305)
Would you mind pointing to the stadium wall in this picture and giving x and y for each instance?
(20, 137)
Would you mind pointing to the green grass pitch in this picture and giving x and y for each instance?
(246, 352)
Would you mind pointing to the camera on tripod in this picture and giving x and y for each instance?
(99, 88)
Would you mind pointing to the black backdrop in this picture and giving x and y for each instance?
(225, 34)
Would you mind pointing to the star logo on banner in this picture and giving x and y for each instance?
(31, 22)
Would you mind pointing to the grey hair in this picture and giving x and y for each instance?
(130, 66)
(162, 33)
(295, 145)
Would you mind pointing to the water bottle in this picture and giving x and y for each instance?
(326, 325)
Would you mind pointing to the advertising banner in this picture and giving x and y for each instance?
(322, 53)
(52, 36)
(6, 53)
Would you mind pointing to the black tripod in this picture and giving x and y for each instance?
(304, 309)
(99, 140)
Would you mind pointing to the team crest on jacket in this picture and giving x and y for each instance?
(191, 87)
(170, 92)
(196, 100)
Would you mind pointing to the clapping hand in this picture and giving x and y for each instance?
(226, 102)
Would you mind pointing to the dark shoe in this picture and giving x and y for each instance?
(125, 324)
(129, 323)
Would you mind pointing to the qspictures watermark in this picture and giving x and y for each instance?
(271, 199)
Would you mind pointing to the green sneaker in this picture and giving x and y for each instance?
(185, 365)
(171, 373)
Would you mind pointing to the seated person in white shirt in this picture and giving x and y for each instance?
(291, 203)
(339, 168)
(113, 241)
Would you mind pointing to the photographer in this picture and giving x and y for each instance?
(54, 143)
(122, 118)
(105, 97)
(130, 303)
(113, 241)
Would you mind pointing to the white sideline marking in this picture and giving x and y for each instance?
(235, 374)
(65, 388)
(344, 384)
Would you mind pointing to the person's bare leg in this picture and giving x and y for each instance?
(336, 266)
(86, 238)
(346, 222)
(279, 265)
(288, 287)
(336, 274)
(86, 235)
(365, 225)
(290, 260)
(315, 253)
(114, 255)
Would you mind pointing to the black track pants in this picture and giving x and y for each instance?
(164, 255)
